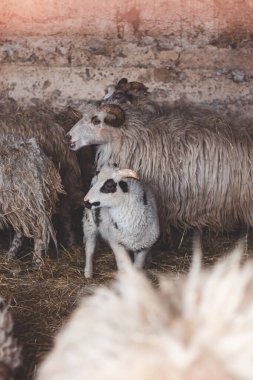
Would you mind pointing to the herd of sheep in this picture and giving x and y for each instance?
(157, 165)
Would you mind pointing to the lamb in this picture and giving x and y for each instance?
(29, 190)
(195, 326)
(50, 136)
(199, 166)
(10, 351)
(123, 210)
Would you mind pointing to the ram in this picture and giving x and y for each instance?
(190, 327)
(199, 166)
(122, 209)
(29, 189)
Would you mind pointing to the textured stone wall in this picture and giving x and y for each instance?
(67, 51)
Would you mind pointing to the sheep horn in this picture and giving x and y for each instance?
(128, 173)
(115, 115)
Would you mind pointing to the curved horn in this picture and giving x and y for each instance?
(127, 173)
(115, 115)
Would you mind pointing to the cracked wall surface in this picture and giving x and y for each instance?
(68, 51)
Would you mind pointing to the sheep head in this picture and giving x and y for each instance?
(109, 186)
(96, 127)
(124, 92)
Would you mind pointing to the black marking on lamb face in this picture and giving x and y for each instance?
(97, 172)
(89, 205)
(97, 217)
(115, 225)
(124, 186)
(109, 186)
(145, 201)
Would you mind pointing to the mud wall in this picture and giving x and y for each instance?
(67, 51)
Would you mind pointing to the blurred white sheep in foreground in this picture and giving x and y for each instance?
(196, 326)
(10, 352)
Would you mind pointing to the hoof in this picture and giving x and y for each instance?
(69, 241)
(88, 274)
(11, 255)
(36, 263)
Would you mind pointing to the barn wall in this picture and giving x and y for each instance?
(69, 50)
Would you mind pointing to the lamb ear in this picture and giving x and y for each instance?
(128, 173)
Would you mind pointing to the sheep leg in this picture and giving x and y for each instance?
(139, 258)
(121, 255)
(15, 245)
(66, 223)
(90, 246)
(37, 255)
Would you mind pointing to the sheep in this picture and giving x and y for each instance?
(29, 190)
(123, 211)
(131, 93)
(50, 136)
(195, 326)
(66, 118)
(10, 351)
(199, 166)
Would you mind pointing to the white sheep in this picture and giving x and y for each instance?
(123, 211)
(10, 351)
(197, 326)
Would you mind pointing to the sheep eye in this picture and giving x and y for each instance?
(95, 120)
(109, 186)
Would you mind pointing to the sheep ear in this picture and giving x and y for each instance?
(128, 173)
(75, 112)
(122, 81)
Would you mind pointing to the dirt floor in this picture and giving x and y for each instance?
(41, 300)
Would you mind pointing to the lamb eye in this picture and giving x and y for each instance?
(109, 186)
(95, 120)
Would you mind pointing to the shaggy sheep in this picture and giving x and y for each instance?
(50, 136)
(193, 327)
(10, 352)
(200, 166)
(123, 211)
(29, 189)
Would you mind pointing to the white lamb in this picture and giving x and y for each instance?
(197, 326)
(123, 211)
